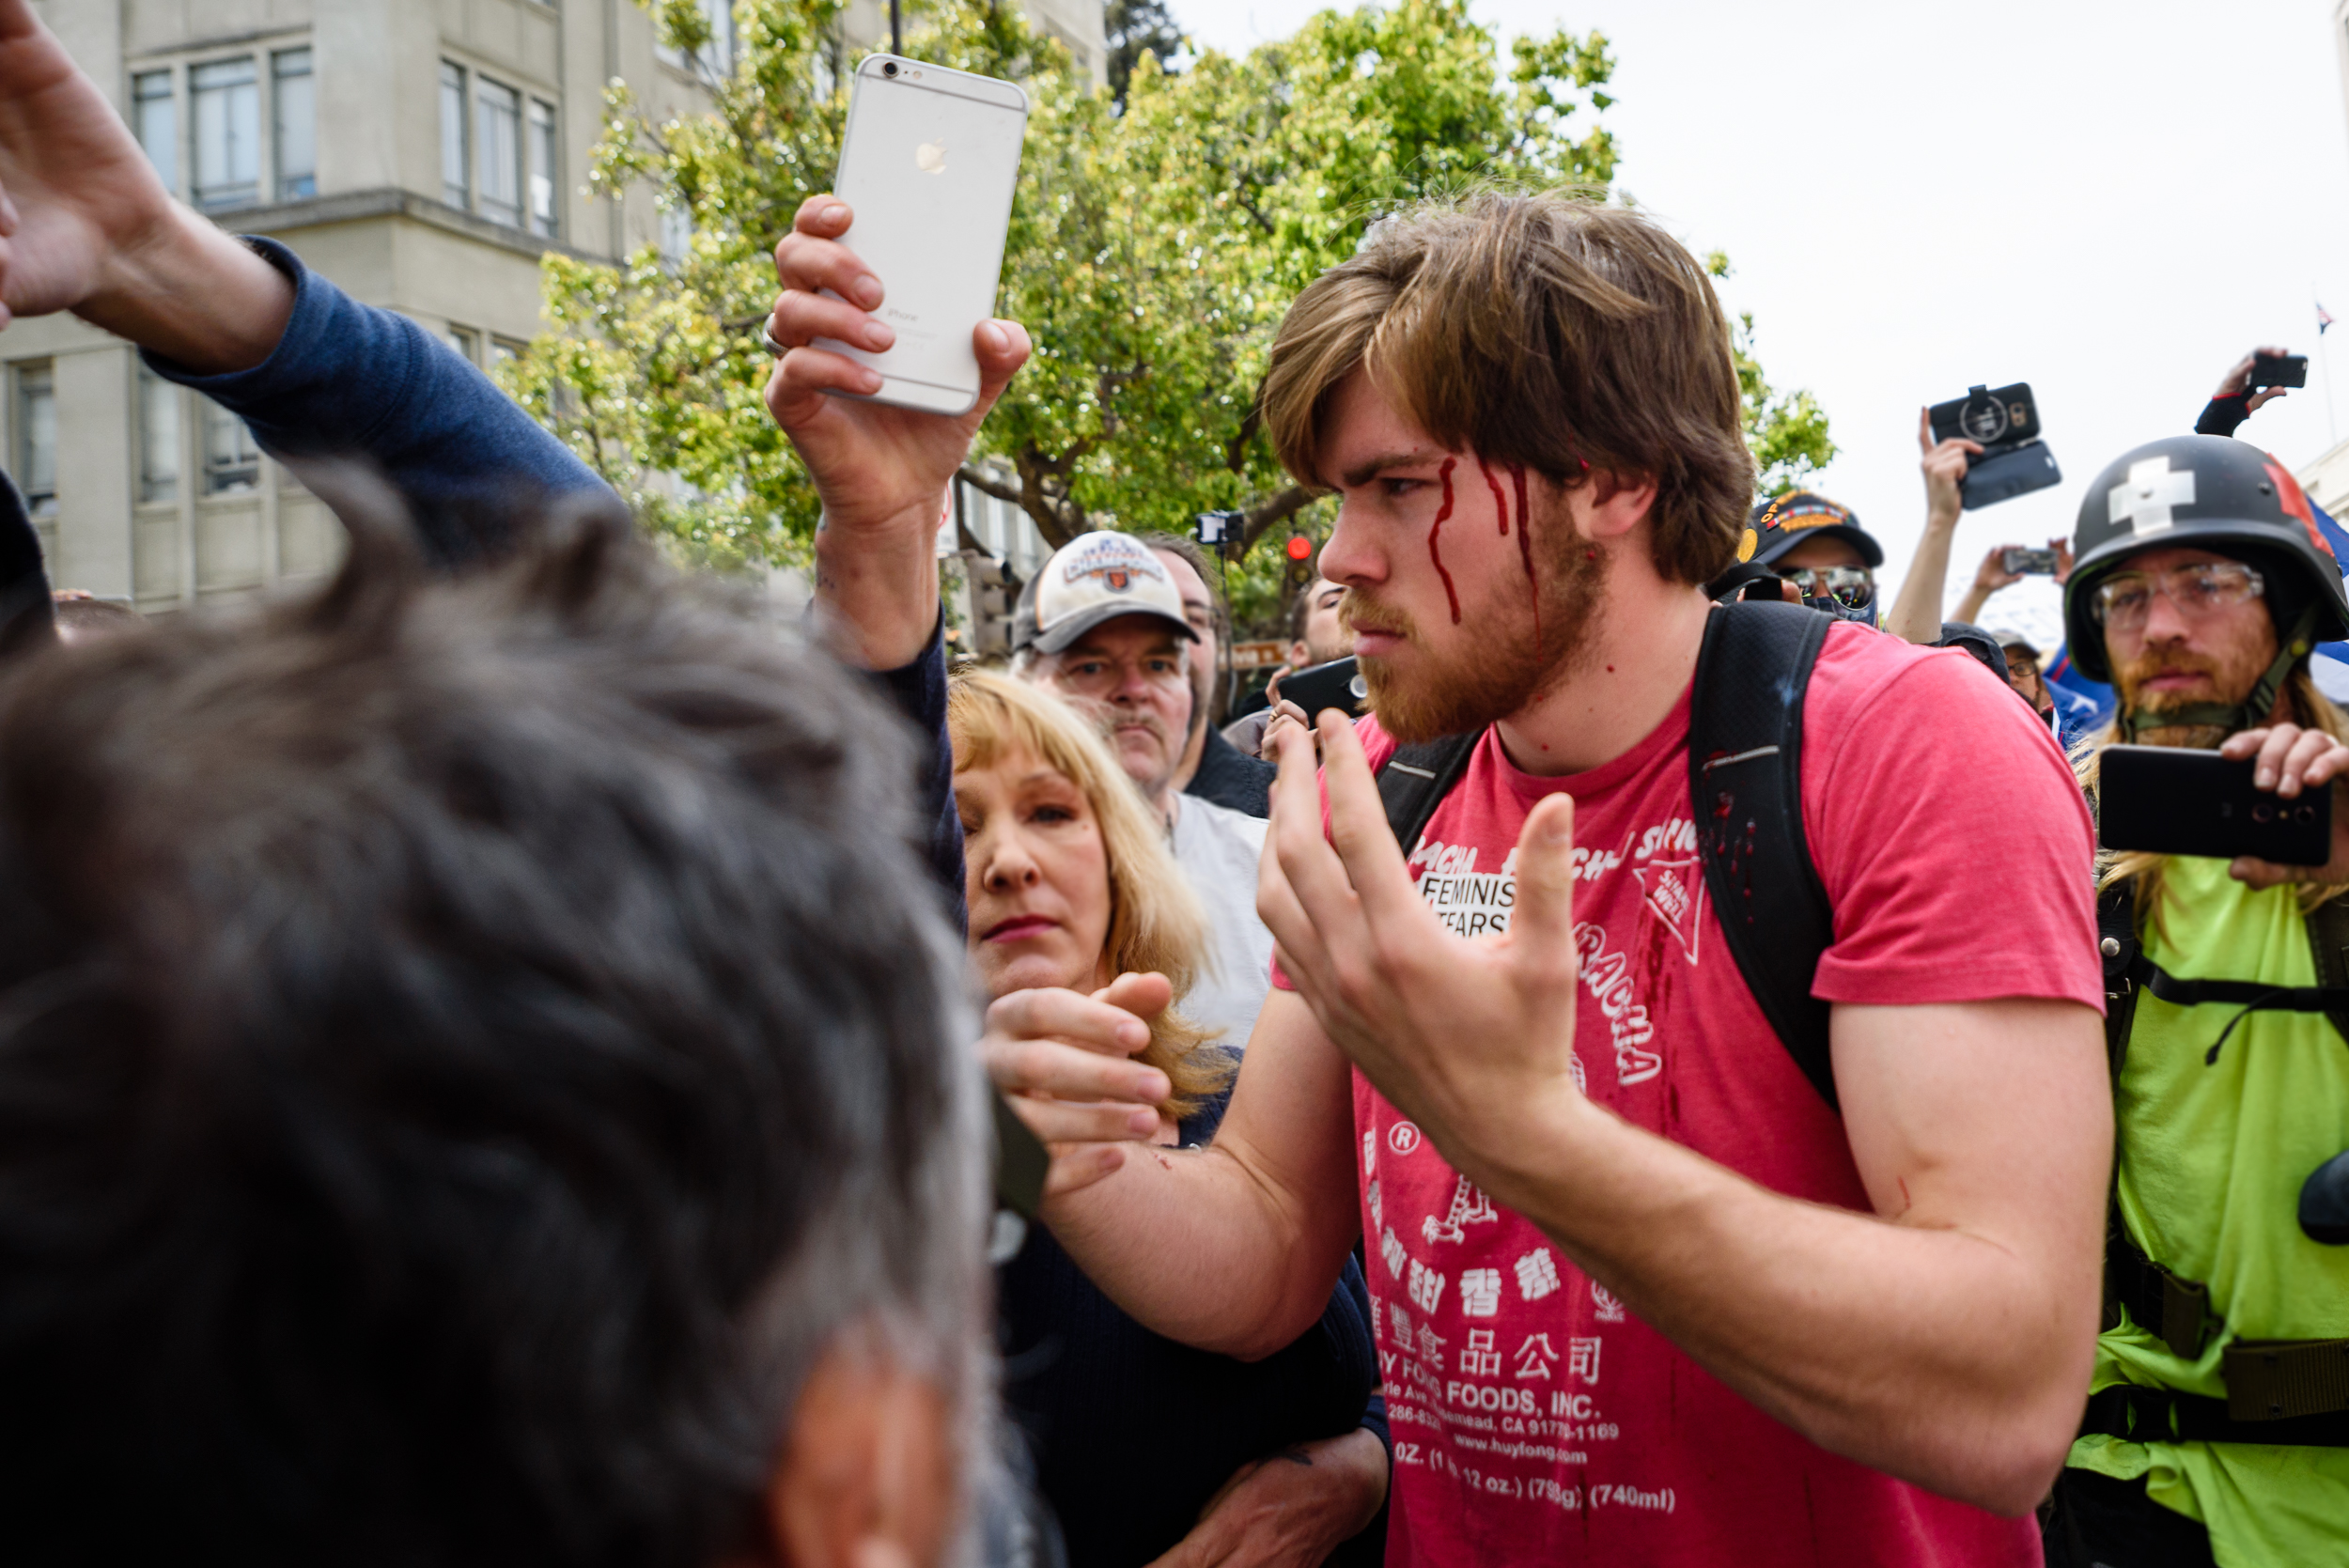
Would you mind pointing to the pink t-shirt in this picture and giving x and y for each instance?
(1534, 1419)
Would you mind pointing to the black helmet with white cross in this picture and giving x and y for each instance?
(2212, 493)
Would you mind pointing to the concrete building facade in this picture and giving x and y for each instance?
(424, 155)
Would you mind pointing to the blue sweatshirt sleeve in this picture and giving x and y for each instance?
(919, 692)
(351, 381)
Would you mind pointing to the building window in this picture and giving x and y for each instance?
(36, 437)
(467, 342)
(231, 461)
(456, 161)
(227, 118)
(294, 97)
(497, 130)
(159, 438)
(543, 219)
(505, 352)
(499, 152)
(155, 119)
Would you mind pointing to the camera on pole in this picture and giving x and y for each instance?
(1222, 532)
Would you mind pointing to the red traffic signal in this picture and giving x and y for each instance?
(1299, 546)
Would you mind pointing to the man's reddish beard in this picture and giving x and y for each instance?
(1517, 655)
(2226, 686)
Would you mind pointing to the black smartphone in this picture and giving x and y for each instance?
(2169, 800)
(1337, 684)
(2030, 563)
(2278, 370)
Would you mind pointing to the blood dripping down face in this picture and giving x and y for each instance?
(1515, 619)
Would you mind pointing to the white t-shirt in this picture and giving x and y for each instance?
(1218, 850)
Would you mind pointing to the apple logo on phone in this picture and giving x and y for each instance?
(930, 157)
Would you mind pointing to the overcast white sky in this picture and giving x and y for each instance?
(2112, 202)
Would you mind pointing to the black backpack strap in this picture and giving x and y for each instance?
(2171, 1308)
(2328, 944)
(2141, 1415)
(1413, 782)
(1745, 783)
(2118, 946)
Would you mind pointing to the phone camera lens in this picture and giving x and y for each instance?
(2304, 814)
(889, 67)
(2261, 812)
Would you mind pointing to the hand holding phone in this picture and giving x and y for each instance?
(2172, 801)
(929, 165)
(1338, 684)
(2277, 370)
(874, 465)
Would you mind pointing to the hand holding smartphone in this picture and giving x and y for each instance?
(929, 165)
(1337, 684)
(2277, 370)
(2169, 800)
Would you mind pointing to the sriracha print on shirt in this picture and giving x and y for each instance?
(1534, 1417)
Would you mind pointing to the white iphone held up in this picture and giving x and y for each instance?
(929, 165)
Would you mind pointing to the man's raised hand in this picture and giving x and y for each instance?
(76, 185)
(873, 464)
(1063, 1061)
(86, 225)
(1944, 467)
(1472, 1038)
(2237, 380)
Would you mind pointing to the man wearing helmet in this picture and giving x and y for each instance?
(2217, 1428)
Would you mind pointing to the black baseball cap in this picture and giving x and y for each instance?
(1779, 524)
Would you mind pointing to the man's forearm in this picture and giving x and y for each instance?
(1197, 1246)
(1933, 1354)
(1234, 1248)
(879, 586)
(1917, 611)
(194, 295)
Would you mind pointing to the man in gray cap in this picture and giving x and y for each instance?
(1102, 624)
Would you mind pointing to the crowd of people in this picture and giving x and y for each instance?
(499, 1048)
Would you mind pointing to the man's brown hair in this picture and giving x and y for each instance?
(1545, 330)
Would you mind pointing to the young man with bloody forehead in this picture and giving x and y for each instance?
(1644, 1295)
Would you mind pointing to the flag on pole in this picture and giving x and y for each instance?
(2324, 317)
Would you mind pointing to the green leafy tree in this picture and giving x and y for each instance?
(1153, 250)
(1132, 28)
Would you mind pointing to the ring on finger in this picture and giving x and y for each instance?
(767, 336)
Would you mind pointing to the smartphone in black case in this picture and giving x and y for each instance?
(1337, 684)
(2169, 800)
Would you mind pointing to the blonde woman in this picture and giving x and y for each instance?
(1070, 882)
(1148, 1450)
